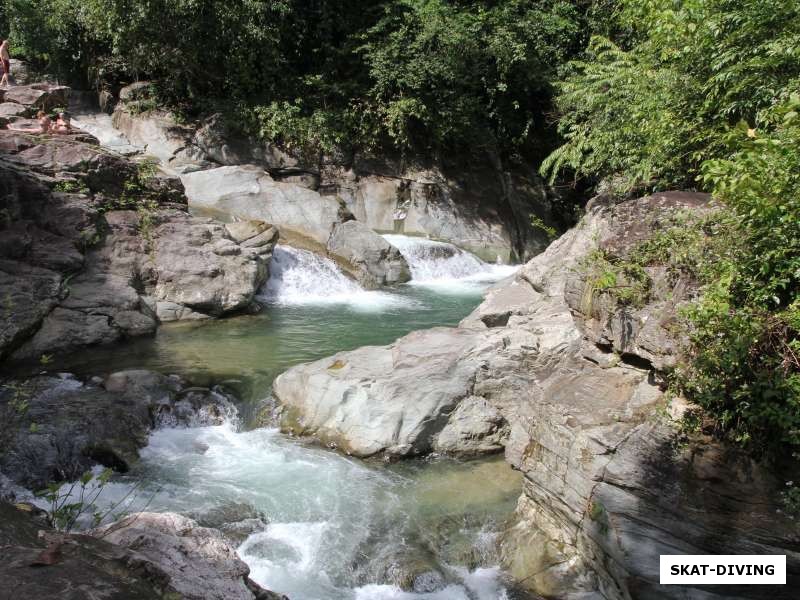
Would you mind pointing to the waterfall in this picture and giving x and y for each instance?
(440, 262)
(301, 277)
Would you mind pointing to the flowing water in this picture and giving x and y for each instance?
(311, 523)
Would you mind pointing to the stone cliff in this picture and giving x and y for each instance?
(568, 385)
(95, 247)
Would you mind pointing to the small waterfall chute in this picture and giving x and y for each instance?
(433, 262)
(301, 277)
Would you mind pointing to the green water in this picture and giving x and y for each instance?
(250, 351)
(331, 527)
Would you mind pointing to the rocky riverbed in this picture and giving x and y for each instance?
(568, 385)
(97, 248)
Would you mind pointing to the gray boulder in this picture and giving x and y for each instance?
(200, 563)
(305, 219)
(380, 399)
(367, 257)
(38, 96)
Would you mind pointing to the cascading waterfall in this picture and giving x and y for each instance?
(433, 262)
(298, 276)
(302, 277)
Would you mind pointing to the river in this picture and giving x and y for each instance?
(311, 523)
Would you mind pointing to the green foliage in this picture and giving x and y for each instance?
(790, 498)
(623, 280)
(538, 223)
(645, 112)
(744, 365)
(323, 75)
(70, 186)
(624, 120)
(71, 503)
(477, 72)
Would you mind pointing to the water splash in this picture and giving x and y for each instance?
(318, 515)
(443, 264)
(299, 277)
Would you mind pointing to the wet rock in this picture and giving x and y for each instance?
(190, 271)
(158, 134)
(241, 231)
(248, 192)
(200, 564)
(67, 426)
(368, 257)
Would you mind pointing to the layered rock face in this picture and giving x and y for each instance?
(607, 485)
(92, 251)
(432, 200)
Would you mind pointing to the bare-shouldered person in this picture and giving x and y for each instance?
(5, 58)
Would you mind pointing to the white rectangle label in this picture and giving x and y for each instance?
(723, 568)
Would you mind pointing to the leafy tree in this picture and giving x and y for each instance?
(647, 111)
(744, 364)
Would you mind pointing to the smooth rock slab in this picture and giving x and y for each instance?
(393, 399)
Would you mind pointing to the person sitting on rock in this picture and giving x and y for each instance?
(62, 124)
(5, 57)
(45, 124)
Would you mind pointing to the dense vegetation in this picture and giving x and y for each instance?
(645, 94)
(704, 94)
(428, 75)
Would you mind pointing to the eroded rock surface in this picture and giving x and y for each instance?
(607, 488)
(54, 428)
(84, 260)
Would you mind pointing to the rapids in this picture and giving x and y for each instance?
(311, 523)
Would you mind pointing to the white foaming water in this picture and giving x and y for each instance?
(443, 264)
(320, 510)
(100, 126)
(299, 277)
